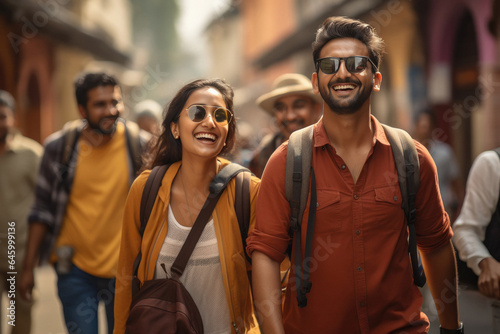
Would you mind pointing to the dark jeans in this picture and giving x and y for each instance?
(80, 294)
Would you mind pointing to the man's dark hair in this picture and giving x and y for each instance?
(343, 27)
(88, 81)
(7, 100)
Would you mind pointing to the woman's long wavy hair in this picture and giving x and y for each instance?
(167, 149)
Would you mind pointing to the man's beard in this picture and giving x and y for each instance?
(346, 106)
(3, 136)
(97, 127)
(300, 123)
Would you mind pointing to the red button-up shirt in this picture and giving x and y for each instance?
(360, 269)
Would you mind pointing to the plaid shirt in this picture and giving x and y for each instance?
(56, 178)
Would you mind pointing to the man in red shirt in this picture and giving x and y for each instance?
(359, 267)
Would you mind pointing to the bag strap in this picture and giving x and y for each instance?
(297, 175)
(242, 207)
(216, 188)
(153, 184)
(194, 235)
(298, 167)
(408, 168)
(132, 133)
(149, 194)
(148, 199)
(72, 131)
(303, 283)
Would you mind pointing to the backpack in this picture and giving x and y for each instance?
(300, 174)
(72, 131)
(164, 305)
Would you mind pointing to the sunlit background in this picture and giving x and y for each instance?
(441, 54)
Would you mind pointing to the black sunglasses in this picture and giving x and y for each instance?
(354, 64)
(198, 112)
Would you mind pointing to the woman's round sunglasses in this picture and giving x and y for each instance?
(198, 112)
(354, 64)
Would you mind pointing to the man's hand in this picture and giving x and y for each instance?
(488, 282)
(26, 284)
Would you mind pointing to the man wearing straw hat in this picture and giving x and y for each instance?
(294, 106)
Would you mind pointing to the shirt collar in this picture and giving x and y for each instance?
(321, 138)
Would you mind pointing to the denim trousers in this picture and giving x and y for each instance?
(80, 294)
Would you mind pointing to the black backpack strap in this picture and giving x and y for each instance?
(303, 283)
(242, 207)
(408, 168)
(72, 131)
(148, 199)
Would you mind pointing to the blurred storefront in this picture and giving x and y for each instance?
(47, 43)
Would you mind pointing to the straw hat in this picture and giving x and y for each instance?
(290, 83)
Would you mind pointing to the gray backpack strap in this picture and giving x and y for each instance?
(408, 168)
(299, 174)
(298, 168)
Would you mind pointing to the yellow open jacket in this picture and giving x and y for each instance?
(232, 258)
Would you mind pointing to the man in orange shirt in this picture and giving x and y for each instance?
(85, 174)
(359, 268)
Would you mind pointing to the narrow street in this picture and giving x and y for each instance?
(47, 311)
(475, 309)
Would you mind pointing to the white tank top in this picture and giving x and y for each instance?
(202, 276)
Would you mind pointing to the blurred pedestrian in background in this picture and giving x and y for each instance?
(450, 186)
(452, 191)
(293, 105)
(147, 114)
(477, 229)
(85, 174)
(19, 161)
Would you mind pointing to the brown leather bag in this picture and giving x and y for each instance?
(164, 306)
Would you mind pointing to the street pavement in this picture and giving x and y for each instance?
(475, 312)
(47, 316)
(475, 309)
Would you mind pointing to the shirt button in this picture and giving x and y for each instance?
(343, 166)
(358, 232)
(395, 198)
(359, 268)
(356, 196)
(323, 148)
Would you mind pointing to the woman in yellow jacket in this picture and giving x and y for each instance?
(198, 127)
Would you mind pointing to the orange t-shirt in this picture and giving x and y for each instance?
(360, 269)
(93, 220)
